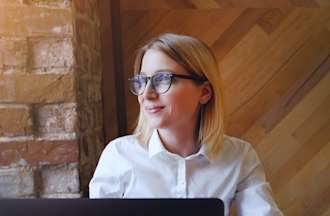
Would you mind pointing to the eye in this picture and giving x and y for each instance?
(140, 79)
(137, 83)
(161, 78)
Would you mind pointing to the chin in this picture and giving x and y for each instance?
(157, 125)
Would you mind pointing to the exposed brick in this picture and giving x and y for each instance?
(12, 2)
(60, 179)
(51, 54)
(58, 118)
(50, 3)
(20, 21)
(42, 60)
(15, 121)
(39, 152)
(11, 153)
(31, 88)
(62, 196)
(16, 182)
(13, 55)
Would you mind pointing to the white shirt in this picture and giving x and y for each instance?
(127, 170)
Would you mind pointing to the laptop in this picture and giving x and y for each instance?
(111, 207)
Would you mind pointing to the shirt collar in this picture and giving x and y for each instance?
(156, 147)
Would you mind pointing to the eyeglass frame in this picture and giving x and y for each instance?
(172, 75)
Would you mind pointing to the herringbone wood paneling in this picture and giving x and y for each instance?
(275, 63)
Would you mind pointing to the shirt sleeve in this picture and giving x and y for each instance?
(106, 181)
(253, 196)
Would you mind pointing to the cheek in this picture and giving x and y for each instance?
(184, 103)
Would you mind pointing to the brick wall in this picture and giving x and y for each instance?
(50, 100)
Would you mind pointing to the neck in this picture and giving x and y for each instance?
(181, 141)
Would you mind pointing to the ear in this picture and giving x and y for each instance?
(206, 92)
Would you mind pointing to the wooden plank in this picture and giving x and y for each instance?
(312, 54)
(184, 4)
(317, 194)
(311, 124)
(267, 3)
(297, 161)
(296, 208)
(252, 45)
(284, 42)
(272, 19)
(270, 119)
(279, 160)
(295, 187)
(130, 19)
(141, 27)
(179, 21)
(118, 68)
(221, 20)
(278, 146)
(323, 3)
(236, 32)
(110, 121)
(315, 199)
(143, 4)
(205, 4)
(327, 212)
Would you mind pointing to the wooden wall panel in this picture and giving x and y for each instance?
(275, 63)
(207, 4)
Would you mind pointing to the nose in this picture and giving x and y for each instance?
(149, 91)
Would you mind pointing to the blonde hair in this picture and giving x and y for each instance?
(197, 58)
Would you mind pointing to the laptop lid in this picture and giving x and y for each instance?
(111, 207)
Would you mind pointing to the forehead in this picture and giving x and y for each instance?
(155, 60)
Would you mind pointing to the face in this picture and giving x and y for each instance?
(179, 106)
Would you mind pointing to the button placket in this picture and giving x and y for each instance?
(181, 181)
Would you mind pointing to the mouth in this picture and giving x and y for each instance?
(154, 109)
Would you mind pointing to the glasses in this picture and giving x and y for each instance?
(160, 81)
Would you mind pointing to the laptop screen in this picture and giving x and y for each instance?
(111, 207)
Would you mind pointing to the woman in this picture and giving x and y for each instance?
(179, 148)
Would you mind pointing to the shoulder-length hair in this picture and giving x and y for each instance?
(198, 60)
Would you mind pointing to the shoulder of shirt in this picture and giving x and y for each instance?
(235, 151)
(122, 143)
(234, 144)
(124, 139)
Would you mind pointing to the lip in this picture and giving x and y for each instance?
(153, 109)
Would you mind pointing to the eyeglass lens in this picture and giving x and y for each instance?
(160, 82)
